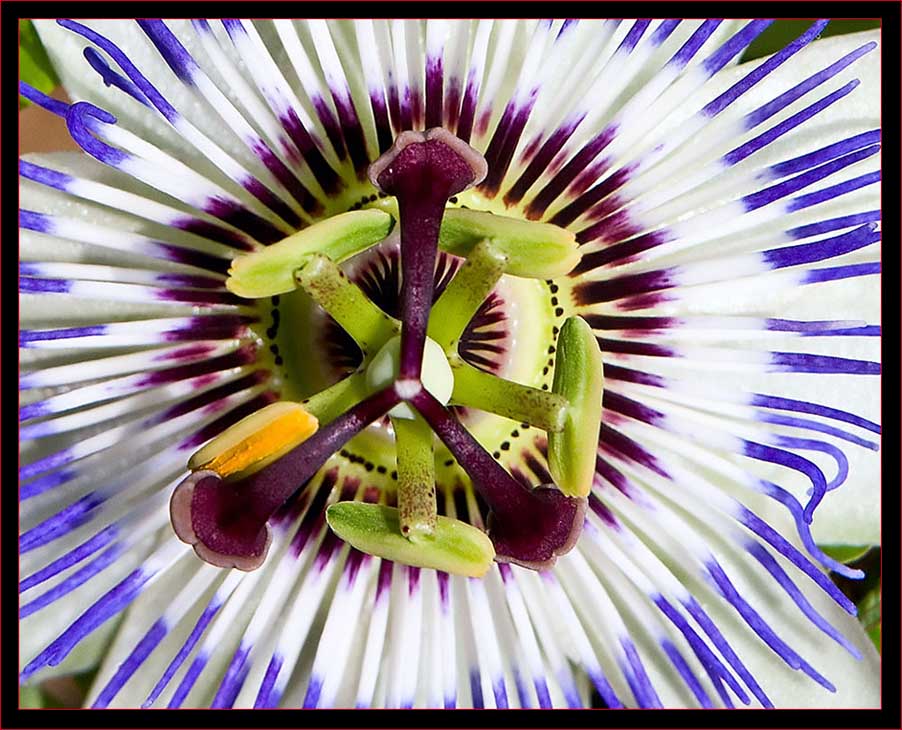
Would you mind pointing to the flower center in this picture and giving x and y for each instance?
(408, 368)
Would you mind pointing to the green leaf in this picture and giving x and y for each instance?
(375, 529)
(35, 68)
(31, 697)
(869, 615)
(845, 553)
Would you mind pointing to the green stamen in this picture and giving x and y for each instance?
(270, 271)
(330, 403)
(578, 376)
(477, 389)
(327, 285)
(461, 299)
(534, 250)
(455, 547)
(416, 477)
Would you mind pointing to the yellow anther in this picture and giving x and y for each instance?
(255, 441)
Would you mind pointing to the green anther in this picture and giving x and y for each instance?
(327, 285)
(270, 271)
(416, 477)
(462, 297)
(478, 389)
(330, 403)
(375, 529)
(578, 376)
(533, 250)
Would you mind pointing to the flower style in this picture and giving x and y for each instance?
(450, 363)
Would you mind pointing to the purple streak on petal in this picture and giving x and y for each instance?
(764, 531)
(795, 462)
(841, 272)
(842, 462)
(662, 32)
(39, 222)
(330, 124)
(237, 215)
(314, 689)
(28, 336)
(807, 253)
(173, 52)
(110, 604)
(500, 163)
(191, 676)
(267, 695)
(740, 87)
(271, 200)
(798, 406)
(626, 251)
(143, 85)
(760, 553)
(617, 372)
(711, 663)
(754, 118)
(804, 162)
(636, 676)
(559, 183)
(834, 191)
(352, 132)
(830, 152)
(687, 675)
(383, 584)
(632, 38)
(717, 638)
(64, 456)
(631, 450)
(111, 78)
(646, 349)
(812, 425)
(542, 160)
(608, 290)
(696, 41)
(476, 689)
(62, 522)
(213, 232)
(130, 665)
(632, 408)
(70, 583)
(468, 108)
(753, 201)
(44, 101)
(760, 627)
(434, 99)
(44, 286)
(328, 179)
(601, 192)
(603, 512)
(796, 362)
(199, 627)
(499, 689)
(735, 45)
(234, 677)
(45, 176)
(100, 540)
(542, 693)
(380, 118)
(42, 484)
(81, 119)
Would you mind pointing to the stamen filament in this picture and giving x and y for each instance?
(475, 388)
(330, 403)
(527, 527)
(327, 285)
(461, 299)
(416, 477)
